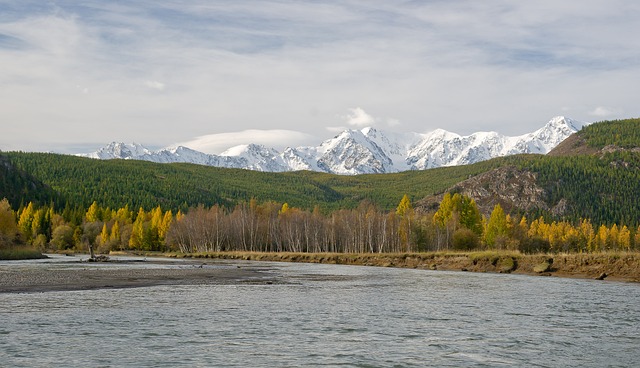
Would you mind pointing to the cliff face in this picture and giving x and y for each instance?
(514, 189)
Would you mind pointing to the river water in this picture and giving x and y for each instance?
(330, 315)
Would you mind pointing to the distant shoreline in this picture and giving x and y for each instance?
(195, 270)
(618, 266)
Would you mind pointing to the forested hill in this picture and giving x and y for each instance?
(604, 187)
(598, 137)
(20, 187)
(594, 174)
(115, 183)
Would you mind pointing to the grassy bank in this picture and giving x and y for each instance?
(17, 253)
(620, 266)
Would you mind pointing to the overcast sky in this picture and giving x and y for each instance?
(76, 75)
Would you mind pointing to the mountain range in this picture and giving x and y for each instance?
(366, 151)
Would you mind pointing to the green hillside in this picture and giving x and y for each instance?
(604, 187)
(20, 187)
(621, 133)
(115, 183)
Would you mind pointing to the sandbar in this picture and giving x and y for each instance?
(86, 276)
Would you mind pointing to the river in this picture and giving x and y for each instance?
(330, 315)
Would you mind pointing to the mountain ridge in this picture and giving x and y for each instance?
(365, 151)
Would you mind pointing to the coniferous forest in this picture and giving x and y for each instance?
(65, 202)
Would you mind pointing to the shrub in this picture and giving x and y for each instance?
(534, 245)
(465, 239)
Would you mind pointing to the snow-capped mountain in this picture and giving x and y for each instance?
(362, 151)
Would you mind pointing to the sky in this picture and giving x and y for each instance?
(211, 74)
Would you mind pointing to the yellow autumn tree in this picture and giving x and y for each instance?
(93, 213)
(25, 222)
(496, 227)
(602, 238)
(115, 233)
(8, 225)
(404, 211)
(612, 240)
(587, 235)
(624, 238)
(167, 219)
(104, 234)
(137, 232)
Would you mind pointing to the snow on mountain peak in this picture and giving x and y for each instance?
(362, 151)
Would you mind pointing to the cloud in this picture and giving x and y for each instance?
(392, 122)
(275, 138)
(155, 85)
(336, 129)
(603, 112)
(92, 72)
(359, 118)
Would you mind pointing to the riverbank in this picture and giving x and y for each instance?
(20, 253)
(80, 275)
(193, 269)
(617, 266)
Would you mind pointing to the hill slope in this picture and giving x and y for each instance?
(20, 187)
(594, 174)
(603, 186)
(115, 183)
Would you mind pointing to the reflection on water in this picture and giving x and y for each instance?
(328, 315)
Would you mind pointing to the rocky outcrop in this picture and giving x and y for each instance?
(514, 189)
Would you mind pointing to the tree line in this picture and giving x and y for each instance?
(457, 224)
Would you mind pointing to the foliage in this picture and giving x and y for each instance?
(620, 133)
(603, 188)
(8, 226)
(70, 202)
(17, 253)
(20, 186)
(496, 227)
(465, 239)
(116, 183)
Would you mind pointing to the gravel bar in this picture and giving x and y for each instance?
(84, 276)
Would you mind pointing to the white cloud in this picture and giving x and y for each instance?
(92, 72)
(336, 129)
(392, 122)
(359, 118)
(155, 85)
(276, 138)
(603, 112)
